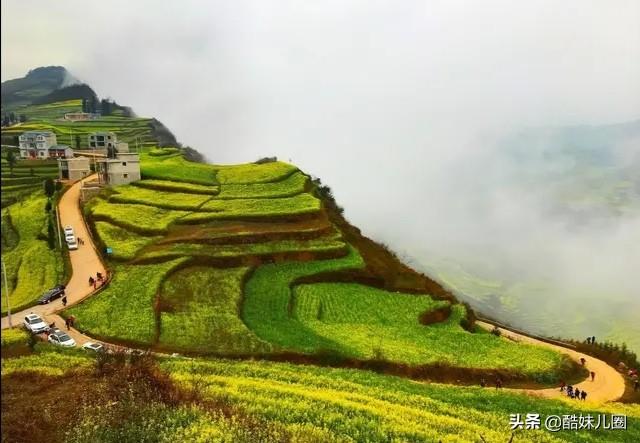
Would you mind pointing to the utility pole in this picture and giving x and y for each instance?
(6, 291)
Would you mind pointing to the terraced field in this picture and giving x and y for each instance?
(50, 111)
(26, 177)
(24, 233)
(135, 131)
(267, 401)
(216, 260)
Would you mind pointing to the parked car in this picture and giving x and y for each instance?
(61, 338)
(68, 230)
(72, 244)
(69, 237)
(52, 294)
(93, 347)
(35, 324)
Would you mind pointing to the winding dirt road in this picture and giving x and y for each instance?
(85, 262)
(608, 384)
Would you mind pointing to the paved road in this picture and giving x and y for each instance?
(85, 262)
(608, 384)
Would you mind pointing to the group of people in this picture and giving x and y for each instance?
(573, 393)
(498, 382)
(99, 279)
(591, 340)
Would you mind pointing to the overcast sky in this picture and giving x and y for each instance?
(398, 105)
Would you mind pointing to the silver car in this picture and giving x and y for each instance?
(35, 324)
(61, 338)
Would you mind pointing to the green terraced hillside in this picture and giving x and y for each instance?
(251, 260)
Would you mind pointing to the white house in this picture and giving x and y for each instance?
(36, 144)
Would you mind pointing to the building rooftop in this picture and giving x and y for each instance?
(102, 133)
(59, 147)
(45, 133)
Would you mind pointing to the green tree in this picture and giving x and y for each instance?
(47, 207)
(49, 187)
(51, 235)
(12, 160)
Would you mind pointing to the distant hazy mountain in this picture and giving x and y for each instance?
(43, 85)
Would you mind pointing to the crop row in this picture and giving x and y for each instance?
(268, 296)
(358, 321)
(141, 219)
(176, 250)
(253, 172)
(200, 312)
(124, 310)
(340, 404)
(280, 401)
(250, 208)
(290, 186)
(176, 168)
(171, 186)
(124, 244)
(160, 199)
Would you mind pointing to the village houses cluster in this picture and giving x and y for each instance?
(110, 158)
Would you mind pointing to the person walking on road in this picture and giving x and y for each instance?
(64, 301)
(67, 323)
(91, 281)
(593, 376)
(583, 395)
(576, 393)
(582, 361)
(562, 385)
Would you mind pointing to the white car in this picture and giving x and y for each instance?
(61, 338)
(93, 347)
(68, 230)
(72, 244)
(35, 324)
(69, 237)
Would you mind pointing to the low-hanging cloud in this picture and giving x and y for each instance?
(407, 109)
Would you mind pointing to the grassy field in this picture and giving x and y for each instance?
(124, 244)
(166, 185)
(251, 173)
(124, 310)
(27, 177)
(398, 337)
(141, 219)
(371, 322)
(269, 402)
(200, 312)
(255, 207)
(177, 250)
(292, 185)
(175, 168)
(50, 111)
(351, 405)
(32, 267)
(156, 198)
